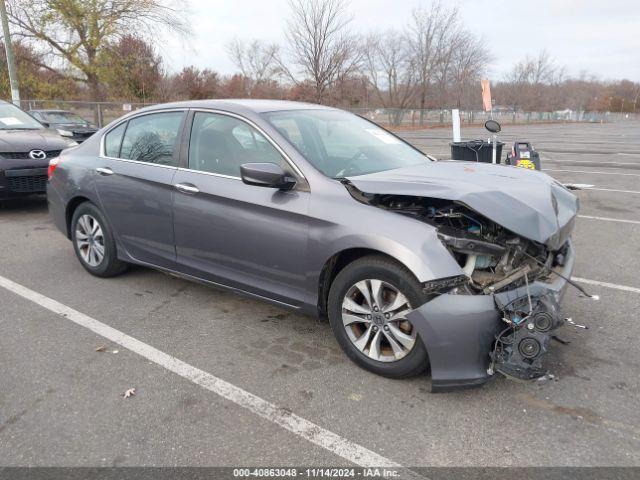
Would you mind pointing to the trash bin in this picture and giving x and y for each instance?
(475, 151)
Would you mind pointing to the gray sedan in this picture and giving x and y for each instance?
(414, 262)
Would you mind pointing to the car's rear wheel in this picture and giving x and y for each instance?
(93, 242)
(368, 304)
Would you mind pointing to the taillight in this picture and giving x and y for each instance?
(53, 163)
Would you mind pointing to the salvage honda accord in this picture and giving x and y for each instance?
(415, 262)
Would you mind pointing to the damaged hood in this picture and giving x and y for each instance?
(528, 203)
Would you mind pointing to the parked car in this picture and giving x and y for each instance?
(66, 123)
(26, 147)
(414, 261)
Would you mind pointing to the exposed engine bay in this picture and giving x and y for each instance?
(495, 262)
(493, 259)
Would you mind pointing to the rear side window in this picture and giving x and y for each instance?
(113, 140)
(152, 138)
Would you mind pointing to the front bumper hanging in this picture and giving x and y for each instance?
(460, 331)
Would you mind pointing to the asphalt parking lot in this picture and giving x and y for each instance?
(61, 400)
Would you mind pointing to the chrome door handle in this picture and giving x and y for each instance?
(104, 171)
(186, 188)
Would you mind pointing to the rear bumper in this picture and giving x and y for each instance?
(459, 331)
(57, 209)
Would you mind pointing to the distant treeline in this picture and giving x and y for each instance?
(75, 50)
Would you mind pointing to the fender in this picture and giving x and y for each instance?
(427, 258)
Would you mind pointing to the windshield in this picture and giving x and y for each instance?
(63, 117)
(341, 144)
(12, 118)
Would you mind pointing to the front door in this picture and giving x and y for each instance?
(135, 185)
(242, 236)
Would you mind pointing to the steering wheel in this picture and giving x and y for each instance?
(348, 168)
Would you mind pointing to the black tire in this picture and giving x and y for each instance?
(379, 268)
(110, 265)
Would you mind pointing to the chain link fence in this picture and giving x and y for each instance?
(98, 113)
(413, 118)
(101, 113)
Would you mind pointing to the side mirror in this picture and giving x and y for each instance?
(267, 175)
(492, 126)
(46, 124)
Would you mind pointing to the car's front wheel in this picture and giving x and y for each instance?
(93, 242)
(368, 304)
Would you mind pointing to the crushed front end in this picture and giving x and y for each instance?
(500, 314)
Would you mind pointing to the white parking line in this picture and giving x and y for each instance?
(600, 164)
(610, 190)
(547, 154)
(624, 288)
(607, 219)
(583, 187)
(586, 171)
(291, 422)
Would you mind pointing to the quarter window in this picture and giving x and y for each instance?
(220, 144)
(152, 138)
(113, 140)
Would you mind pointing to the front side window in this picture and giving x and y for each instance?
(152, 138)
(221, 144)
(341, 144)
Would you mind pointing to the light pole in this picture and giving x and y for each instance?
(11, 61)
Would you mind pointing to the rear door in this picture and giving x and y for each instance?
(242, 236)
(134, 184)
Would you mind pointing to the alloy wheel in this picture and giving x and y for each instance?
(90, 240)
(374, 317)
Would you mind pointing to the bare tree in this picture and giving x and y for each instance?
(256, 61)
(390, 68)
(529, 79)
(78, 30)
(447, 49)
(322, 48)
(545, 69)
(430, 34)
(468, 65)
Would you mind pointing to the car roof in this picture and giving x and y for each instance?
(254, 105)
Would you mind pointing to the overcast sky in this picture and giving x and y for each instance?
(600, 37)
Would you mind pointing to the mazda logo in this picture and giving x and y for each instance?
(37, 154)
